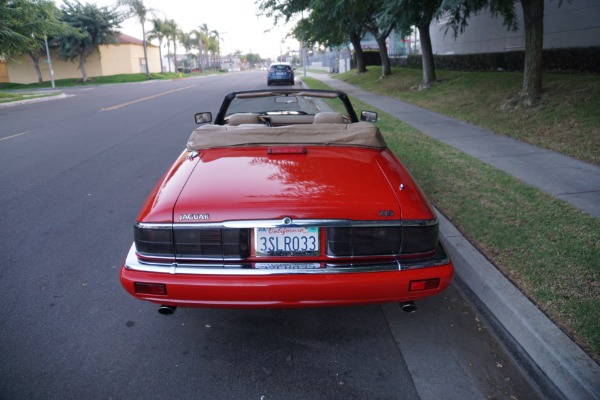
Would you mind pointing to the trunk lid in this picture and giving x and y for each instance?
(250, 184)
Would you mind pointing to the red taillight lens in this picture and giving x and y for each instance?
(420, 239)
(363, 241)
(425, 284)
(151, 288)
(153, 241)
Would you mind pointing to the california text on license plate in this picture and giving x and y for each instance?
(293, 241)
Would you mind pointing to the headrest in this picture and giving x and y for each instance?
(246, 118)
(328, 118)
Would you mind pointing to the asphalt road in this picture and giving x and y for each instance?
(73, 174)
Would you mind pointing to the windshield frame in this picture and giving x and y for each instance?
(220, 118)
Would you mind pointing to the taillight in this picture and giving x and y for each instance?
(363, 241)
(162, 241)
(413, 239)
(420, 238)
(213, 243)
(154, 241)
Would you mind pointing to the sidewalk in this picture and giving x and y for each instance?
(555, 363)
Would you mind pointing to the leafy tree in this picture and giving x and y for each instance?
(351, 16)
(368, 15)
(533, 21)
(283, 9)
(403, 14)
(138, 9)
(158, 32)
(321, 27)
(21, 26)
(24, 26)
(94, 26)
(251, 58)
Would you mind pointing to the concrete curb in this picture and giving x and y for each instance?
(30, 101)
(560, 368)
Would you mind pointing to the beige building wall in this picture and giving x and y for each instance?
(3, 72)
(128, 59)
(21, 69)
(110, 60)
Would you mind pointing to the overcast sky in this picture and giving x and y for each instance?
(235, 20)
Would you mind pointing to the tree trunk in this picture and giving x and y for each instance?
(358, 52)
(160, 55)
(426, 57)
(386, 69)
(201, 55)
(82, 66)
(145, 51)
(175, 54)
(169, 54)
(35, 57)
(533, 14)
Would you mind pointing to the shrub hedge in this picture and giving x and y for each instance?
(579, 59)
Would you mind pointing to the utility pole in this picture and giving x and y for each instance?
(49, 61)
(303, 50)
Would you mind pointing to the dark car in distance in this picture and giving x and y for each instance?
(280, 72)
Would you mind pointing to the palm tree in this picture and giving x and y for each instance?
(188, 41)
(137, 8)
(215, 34)
(158, 32)
(171, 32)
(213, 46)
(204, 42)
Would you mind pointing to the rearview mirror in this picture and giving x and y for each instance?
(368, 116)
(286, 99)
(203, 117)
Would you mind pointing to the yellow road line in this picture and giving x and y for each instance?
(13, 136)
(144, 99)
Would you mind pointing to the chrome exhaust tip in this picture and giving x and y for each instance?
(408, 307)
(166, 310)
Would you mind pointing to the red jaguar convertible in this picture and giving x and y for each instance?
(286, 200)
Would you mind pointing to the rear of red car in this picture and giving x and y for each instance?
(286, 226)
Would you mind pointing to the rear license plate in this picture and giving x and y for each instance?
(290, 242)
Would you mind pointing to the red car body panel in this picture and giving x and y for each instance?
(288, 291)
(362, 183)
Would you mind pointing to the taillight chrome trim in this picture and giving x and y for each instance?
(278, 223)
(133, 263)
